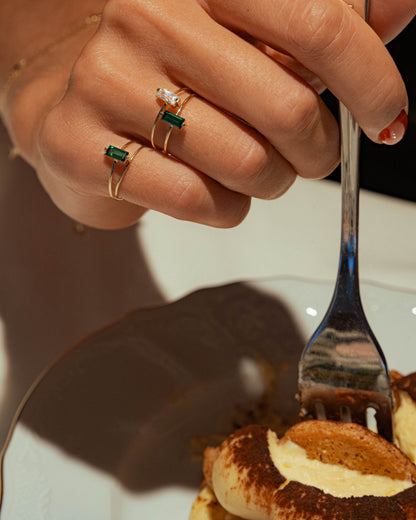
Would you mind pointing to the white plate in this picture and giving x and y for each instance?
(110, 431)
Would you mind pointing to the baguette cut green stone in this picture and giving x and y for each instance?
(116, 153)
(172, 119)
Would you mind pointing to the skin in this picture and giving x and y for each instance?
(257, 121)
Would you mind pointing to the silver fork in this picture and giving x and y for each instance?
(343, 373)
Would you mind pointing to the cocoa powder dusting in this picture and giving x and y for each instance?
(406, 384)
(249, 452)
(307, 503)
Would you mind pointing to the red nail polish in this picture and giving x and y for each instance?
(395, 131)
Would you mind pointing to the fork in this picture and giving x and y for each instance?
(343, 373)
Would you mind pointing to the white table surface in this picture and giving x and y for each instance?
(58, 284)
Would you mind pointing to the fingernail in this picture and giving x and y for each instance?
(395, 131)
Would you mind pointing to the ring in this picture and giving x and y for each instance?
(173, 119)
(165, 143)
(123, 156)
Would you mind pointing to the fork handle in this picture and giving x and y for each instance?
(347, 280)
(350, 146)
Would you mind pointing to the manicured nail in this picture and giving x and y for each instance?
(395, 131)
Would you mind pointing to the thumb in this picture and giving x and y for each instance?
(388, 18)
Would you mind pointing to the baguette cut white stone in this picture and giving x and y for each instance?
(168, 97)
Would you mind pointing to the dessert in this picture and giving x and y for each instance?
(404, 418)
(316, 470)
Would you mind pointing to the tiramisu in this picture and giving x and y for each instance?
(318, 470)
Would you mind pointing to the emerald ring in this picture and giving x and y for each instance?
(119, 155)
(172, 118)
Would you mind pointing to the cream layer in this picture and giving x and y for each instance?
(292, 462)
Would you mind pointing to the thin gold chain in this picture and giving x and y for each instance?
(89, 20)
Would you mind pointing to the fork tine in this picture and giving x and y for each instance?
(343, 372)
(371, 409)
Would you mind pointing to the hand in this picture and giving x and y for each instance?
(256, 122)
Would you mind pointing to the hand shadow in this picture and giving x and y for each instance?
(58, 281)
(140, 398)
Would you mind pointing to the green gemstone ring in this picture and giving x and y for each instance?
(119, 155)
(173, 119)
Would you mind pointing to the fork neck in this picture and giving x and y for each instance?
(347, 282)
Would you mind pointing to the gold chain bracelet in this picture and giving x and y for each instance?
(89, 20)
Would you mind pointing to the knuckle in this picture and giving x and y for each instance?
(321, 166)
(302, 113)
(93, 71)
(251, 166)
(131, 16)
(121, 11)
(321, 24)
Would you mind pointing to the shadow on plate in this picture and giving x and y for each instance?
(141, 398)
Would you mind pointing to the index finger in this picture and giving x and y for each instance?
(332, 40)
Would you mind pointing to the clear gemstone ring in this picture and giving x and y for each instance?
(168, 97)
(171, 118)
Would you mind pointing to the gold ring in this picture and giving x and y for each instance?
(165, 143)
(173, 119)
(123, 156)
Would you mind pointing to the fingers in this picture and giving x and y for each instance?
(229, 151)
(388, 18)
(212, 142)
(166, 185)
(330, 39)
(281, 107)
(255, 122)
(153, 180)
(297, 68)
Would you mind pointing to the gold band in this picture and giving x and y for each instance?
(126, 162)
(182, 106)
(173, 119)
